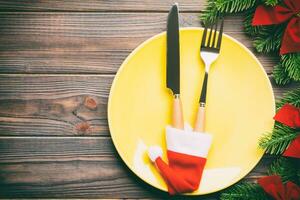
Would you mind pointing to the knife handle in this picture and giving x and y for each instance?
(177, 118)
(200, 119)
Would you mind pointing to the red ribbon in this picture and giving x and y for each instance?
(278, 14)
(274, 187)
(290, 115)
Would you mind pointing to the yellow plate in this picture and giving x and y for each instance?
(240, 107)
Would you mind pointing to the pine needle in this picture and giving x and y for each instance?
(292, 64)
(291, 97)
(280, 75)
(269, 39)
(286, 168)
(271, 2)
(276, 142)
(209, 15)
(254, 31)
(233, 6)
(224, 6)
(244, 191)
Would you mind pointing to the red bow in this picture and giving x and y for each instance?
(278, 14)
(290, 115)
(274, 187)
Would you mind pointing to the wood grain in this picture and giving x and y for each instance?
(57, 62)
(101, 5)
(74, 168)
(87, 43)
(54, 105)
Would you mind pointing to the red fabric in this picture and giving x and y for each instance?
(274, 187)
(293, 149)
(183, 173)
(265, 15)
(288, 115)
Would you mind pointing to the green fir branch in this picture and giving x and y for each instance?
(254, 31)
(244, 191)
(291, 62)
(269, 40)
(287, 169)
(292, 97)
(276, 142)
(280, 75)
(266, 45)
(210, 13)
(214, 7)
(271, 2)
(233, 6)
(281, 136)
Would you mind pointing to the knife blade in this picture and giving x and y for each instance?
(173, 59)
(173, 65)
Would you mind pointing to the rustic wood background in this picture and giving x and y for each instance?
(57, 62)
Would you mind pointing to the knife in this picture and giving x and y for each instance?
(173, 65)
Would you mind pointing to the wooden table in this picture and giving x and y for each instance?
(57, 62)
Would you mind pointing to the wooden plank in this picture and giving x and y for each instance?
(55, 105)
(87, 42)
(101, 5)
(74, 168)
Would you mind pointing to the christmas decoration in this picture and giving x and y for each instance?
(288, 171)
(276, 30)
(186, 151)
(275, 188)
(293, 149)
(283, 139)
(286, 128)
(290, 116)
(266, 15)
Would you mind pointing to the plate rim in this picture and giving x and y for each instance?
(124, 63)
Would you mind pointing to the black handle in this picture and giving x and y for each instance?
(204, 88)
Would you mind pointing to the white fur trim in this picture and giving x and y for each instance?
(188, 142)
(154, 152)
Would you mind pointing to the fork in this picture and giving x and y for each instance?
(209, 52)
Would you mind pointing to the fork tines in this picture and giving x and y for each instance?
(210, 43)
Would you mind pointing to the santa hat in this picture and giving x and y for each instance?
(186, 152)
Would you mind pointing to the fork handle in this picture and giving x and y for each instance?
(177, 115)
(200, 119)
(204, 89)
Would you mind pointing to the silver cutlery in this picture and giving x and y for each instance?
(209, 52)
(173, 66)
